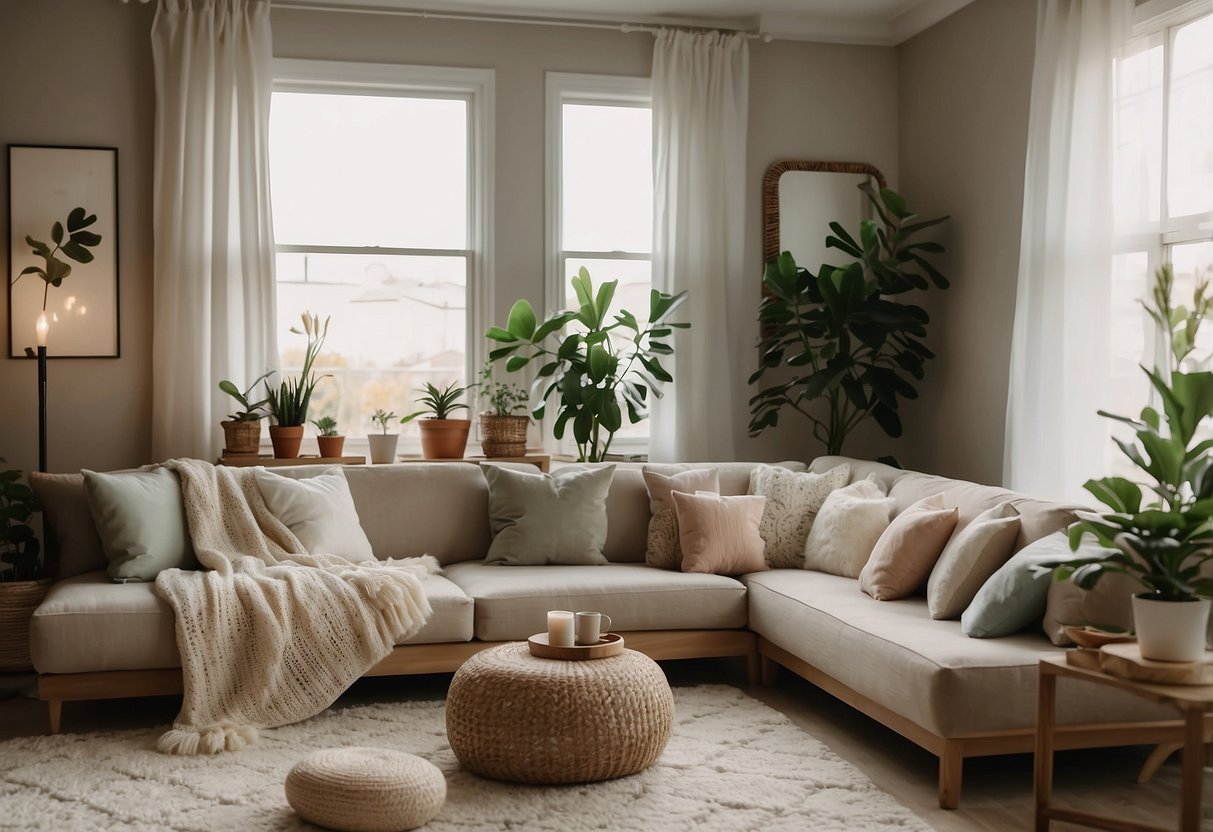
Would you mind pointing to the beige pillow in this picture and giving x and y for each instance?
(793, 500)
(850, 522)
(972, 555)
(539, 518)
(1109, 604)
(720, 534)
(319, 510)
(662, 549)
(908, 549)
(73, 539)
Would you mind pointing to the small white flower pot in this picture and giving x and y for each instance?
(1171, 631)
(383, 447)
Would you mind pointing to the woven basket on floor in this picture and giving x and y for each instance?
(18, 600)
(503, 435)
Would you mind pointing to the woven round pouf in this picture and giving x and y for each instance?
(365, 789)
(512, 716)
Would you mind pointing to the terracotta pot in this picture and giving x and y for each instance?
(1170, 631)
(330, 446)
(382, 447)
(503, 435)
(18, 600)
(241, 438)
(287, 440)
(444, 438)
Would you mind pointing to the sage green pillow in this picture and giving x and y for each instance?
(1014, 597)
(140, 519)
(538, 519)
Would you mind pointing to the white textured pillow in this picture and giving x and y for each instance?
(972, 555)
(793, 500)
(850, 522)
(320, 511)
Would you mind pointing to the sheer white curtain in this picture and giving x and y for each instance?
(700, 107)
(1055, 441)
(214, 244)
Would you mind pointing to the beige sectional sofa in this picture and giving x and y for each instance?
(954, 695)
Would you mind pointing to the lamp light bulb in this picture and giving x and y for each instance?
(41, 328)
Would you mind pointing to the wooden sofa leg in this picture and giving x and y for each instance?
(951, 771)
(54, 712)
(753, 669)
(770, 671)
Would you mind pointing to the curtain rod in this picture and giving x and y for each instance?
(626, 28)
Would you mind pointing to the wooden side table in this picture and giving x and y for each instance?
(1192, 701)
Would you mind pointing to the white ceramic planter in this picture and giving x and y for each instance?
(383, 447)
(1171, 631)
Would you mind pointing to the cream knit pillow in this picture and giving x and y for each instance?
(850, 522)
(793, 500)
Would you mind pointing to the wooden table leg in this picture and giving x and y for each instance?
(1157, 757)
(1043, 767)
(1193, 770)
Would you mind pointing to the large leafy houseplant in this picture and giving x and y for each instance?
(840, 336)
(19, 549)
(601, 366)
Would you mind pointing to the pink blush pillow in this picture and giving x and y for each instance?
(906, 553)
(720, 534)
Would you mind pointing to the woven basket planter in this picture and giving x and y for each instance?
(503, 435)
(241, 438)
(18, 600)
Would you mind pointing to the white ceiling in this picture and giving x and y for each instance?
(885, 22)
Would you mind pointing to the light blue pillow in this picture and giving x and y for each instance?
(1014, 597)
(140, 518)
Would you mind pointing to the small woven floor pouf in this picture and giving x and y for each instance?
(365, 789)
(513, 716)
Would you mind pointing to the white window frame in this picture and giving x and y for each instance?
(562, 88)
(477, 88)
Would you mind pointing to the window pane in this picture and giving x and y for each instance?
(1138, 137)
(361, 170)
(1190, 132)
(607, 179)
(397, 322)
(1193, 261)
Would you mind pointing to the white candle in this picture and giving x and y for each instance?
(41, 328)
(560, 628)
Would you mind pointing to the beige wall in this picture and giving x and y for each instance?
(79, 72)
(964, 86)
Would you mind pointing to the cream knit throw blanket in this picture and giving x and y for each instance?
(269, 636)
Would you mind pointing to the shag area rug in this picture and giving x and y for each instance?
(732, 764)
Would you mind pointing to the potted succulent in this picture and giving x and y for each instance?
(596, 370)
(22, 584)
(383, 445)
(441, 436)
(329, 442)
(503, 425)
(242, 430)
(1163, 540)
(289, 402)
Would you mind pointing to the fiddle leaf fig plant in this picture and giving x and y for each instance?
(595, 369)
(839, 336)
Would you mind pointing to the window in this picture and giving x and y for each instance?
(379, 179)
(600, 196)
(1163, 186)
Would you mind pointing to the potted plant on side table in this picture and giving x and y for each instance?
(329, 442)
(1165, 542)
(441, 436)
(242, 430)
(289, 402)
(504, 424)
(22, 585)
(383, 445)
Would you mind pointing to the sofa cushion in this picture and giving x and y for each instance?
(540, 519)
(72, 538)
(720, 534)
(908, 549)
(319, 511)
(663, 548)
(88, 623)
(140, 517)
(792, 502)
(847, 528)
(925, 670)
(512, 602)
(970, 558)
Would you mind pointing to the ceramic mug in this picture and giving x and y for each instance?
(591, 626)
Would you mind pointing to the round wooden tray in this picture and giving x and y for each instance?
(611, 644)
(1125, 661)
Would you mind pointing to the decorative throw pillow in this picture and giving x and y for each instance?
(1014, 596)
(720, 534)
(71, 532)
(140, 519)
(902, 559)
(793, 500)
(850, 522)
(1109, 604)
(662, 549)
(539, 518)
(319, 510)
(972, 555)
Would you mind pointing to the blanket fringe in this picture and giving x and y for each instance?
(209, 739)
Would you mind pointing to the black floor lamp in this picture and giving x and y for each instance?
(41, 328)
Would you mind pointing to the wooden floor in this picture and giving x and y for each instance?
(997, 790)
